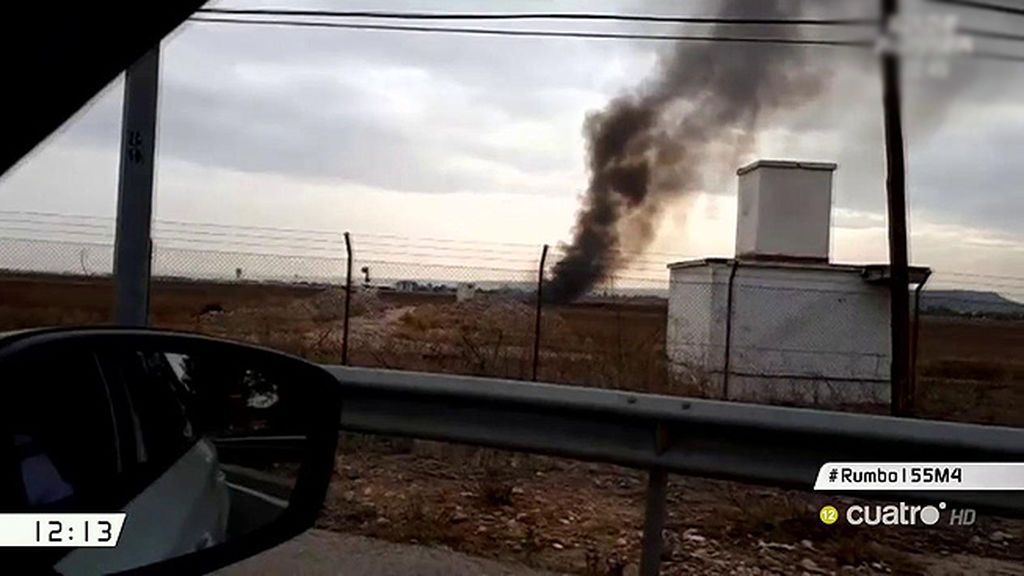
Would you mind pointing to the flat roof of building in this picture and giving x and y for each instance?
(872, 273)
(801, 164)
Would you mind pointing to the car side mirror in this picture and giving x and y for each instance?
(129, 449)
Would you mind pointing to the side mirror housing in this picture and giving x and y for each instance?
(211, 450)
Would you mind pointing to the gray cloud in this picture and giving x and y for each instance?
(977, 181)
(245, 100)
(323, 105)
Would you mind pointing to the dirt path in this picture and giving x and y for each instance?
(378, 326)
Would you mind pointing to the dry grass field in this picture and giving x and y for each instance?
(551, 513)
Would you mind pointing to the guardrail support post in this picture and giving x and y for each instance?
(654, 522)
(348, 299)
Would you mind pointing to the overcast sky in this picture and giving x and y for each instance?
(480, 138)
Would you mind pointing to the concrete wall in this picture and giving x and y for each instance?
(800, 335)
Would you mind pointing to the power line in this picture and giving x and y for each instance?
(406, 265)
(987, 283)
(990, 34)
(57, 215)
(310, 240)
(374, 258)
(322, 245)
(185, 223)
(559, 248)
(562, 252)
(283, 230)
(162, 250)
(109, 235)
(997, 56)
(543, 33)
(109, 226)
(168, 243)
(479, 248)
(51, 242)
(479, 251)
(541, 16)
(859, 43)
(975, 4)
(970, 275)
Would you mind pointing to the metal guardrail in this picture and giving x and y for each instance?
(665, 434)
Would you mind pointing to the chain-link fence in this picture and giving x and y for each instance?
(794, 335)
(451, 318)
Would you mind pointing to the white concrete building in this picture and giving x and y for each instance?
(779, 323)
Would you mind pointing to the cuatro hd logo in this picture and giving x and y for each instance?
(900, 514)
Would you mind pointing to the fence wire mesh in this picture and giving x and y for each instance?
(472, 308)
(451, 318)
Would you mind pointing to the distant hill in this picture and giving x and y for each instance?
(970, 303)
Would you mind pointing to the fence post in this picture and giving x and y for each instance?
(540, 306)
(348, 298)
(727, 362)
(912, 392)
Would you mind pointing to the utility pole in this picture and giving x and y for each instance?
(895, 187)
(132, 244)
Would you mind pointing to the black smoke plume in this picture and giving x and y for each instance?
(655, 144)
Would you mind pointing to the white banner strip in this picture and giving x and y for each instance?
(61, 530)
(897, 476)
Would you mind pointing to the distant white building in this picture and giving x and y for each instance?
(407, 286)
(780, 323)
(465, 291)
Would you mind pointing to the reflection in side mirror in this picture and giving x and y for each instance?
(203, 444)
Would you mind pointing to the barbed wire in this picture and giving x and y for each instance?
(262, 261)
(362, 235)
(103, 228)
(643, 267)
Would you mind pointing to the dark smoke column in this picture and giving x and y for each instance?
(651, 146)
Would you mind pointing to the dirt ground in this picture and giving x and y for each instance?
(585, 518)
(553, 514)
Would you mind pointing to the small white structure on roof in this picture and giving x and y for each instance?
(779, 323)
(785, 210)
